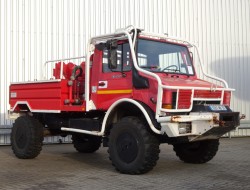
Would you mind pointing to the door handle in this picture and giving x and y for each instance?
(103, 84)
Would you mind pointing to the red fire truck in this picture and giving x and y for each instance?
(134, 91)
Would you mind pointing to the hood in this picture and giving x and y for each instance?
(186, 82)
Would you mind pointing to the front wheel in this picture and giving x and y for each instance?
(197, 152)
(132, 149)
(26, 137)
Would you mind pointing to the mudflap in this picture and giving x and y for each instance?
(227, 122)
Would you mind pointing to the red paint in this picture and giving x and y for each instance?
(184, 99)
(43, 96)
(106, 88)
(227, 98)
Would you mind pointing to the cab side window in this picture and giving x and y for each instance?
(123, 59)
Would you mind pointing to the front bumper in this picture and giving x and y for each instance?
(200, 125)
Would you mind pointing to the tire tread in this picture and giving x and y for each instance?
(34, 146)
(151, 148)
(205, 153)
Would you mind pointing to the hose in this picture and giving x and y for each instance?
(74, 76)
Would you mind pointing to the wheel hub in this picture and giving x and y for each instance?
(127, 147)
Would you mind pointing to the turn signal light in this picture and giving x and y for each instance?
(167, 106)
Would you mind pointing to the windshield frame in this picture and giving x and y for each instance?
(189, 60)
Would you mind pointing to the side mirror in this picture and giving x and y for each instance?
(112, 54)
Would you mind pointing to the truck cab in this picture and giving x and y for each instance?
(134, 91)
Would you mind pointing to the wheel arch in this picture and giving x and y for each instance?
(24, 106)
(129, 107)
(21, 105)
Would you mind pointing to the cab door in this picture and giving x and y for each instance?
(112, 84)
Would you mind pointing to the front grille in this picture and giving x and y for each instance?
(202, 97)
(184, 101)
(207, 94)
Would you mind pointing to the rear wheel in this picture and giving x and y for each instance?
(27, 137)
(86, 143)
(132, 149)
(197, 152)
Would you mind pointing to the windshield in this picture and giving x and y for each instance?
(164, 57)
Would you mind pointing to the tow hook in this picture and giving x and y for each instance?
(217, 121)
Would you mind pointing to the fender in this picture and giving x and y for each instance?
(108, 115)
(137, 104)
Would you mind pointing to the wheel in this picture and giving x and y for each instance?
(26, 137)
(86, 143)
(197, 152)
(132, 149)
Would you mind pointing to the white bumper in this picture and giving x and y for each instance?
(199, 124)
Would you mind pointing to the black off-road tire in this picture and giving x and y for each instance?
(27, 137)
(132, 148)
(197, 152)
(86, 143)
